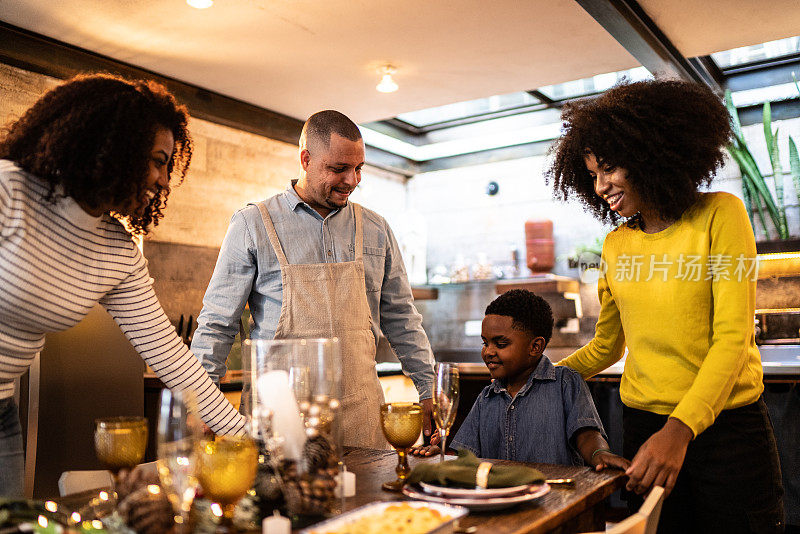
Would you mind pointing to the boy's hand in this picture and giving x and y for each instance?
(426, 450)
(429, 450)
(606, 460)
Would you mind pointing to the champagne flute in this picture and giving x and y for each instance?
(179, 431)
(226, 469)
(445, 400)
(120, 442)
(401, 423)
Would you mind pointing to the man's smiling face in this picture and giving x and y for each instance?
(331, 173)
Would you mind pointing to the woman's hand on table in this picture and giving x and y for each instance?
(660, 458)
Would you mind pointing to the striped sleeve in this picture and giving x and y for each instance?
(5, 203)
(135, 307)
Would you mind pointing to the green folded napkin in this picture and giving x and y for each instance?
(461, 473)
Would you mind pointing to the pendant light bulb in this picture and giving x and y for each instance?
(387, 84)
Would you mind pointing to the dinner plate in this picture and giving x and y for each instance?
(472, 493)
(480, 504)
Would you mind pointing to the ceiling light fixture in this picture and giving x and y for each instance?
(200, 4)
(387, 84)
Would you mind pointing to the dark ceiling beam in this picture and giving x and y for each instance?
(37, 53)
(627, 22)
(708, 69)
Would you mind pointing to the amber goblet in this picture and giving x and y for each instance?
(401, 423)
(120, 442)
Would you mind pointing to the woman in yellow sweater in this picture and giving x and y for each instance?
(678, 289)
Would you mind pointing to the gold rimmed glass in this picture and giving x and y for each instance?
(445, 400)
(401, 423)
(226, 469)
(120, 442)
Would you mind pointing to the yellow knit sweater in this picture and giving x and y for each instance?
(683, 301)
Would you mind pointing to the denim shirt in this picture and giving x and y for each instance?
(247, 271)
(537, 425)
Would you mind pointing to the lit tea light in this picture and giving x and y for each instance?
(103, 495)
(97, 524)
(50, 506)
(42, 521)
(153, 489)
(216, 509)
(76, 517)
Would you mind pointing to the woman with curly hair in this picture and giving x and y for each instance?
(678, 288)
(89, 152)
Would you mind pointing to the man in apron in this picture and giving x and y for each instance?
(311, 264)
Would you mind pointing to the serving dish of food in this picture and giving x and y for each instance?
(395, 517)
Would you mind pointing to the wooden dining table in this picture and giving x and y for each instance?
(579, 507)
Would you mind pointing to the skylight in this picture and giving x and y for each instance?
(759, 52)
(595, 84)
(470, 108)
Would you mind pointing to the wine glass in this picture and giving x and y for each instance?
(445, 400)
(226, 468)
(179, 431)
(401, 423)
(120, 442)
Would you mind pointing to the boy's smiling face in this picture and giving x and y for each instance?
(509, 353)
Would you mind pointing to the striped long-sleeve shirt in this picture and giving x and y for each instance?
(56, 263)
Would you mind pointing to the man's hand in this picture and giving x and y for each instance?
(660, 458)
(427, 416)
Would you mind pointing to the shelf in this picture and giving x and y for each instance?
(549, 283)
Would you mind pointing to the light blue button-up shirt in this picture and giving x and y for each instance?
(247, 271)
(537, 425)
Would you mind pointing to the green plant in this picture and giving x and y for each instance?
(758, 198)
(596, 248)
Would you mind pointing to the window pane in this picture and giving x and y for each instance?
(595, 84)
(470, 108)
(759, 52)
(760, 95)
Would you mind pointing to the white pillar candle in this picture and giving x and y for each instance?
(274, 393)
(345, 482)
(276, 524)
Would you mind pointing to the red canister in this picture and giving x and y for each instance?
(538, 229)
(539, 245)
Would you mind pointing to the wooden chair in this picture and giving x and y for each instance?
(645, 521)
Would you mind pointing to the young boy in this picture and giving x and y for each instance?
(532, 411)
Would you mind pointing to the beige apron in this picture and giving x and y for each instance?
(330, 300)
